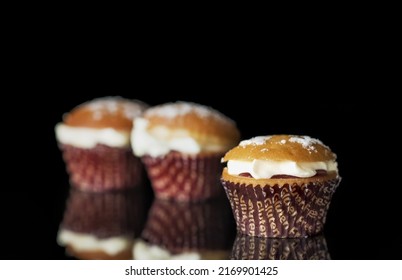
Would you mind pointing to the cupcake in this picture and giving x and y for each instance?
(181, 145)
(95, 140)
(261, 248)
(102, 225)
(177, 230)
(280, 186)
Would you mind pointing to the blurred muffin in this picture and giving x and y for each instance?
(177, 230)
(261, 248)
(95, 140)
(102, 225)
(280, 186)
(181, 145)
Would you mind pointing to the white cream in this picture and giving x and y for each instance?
(265, 169)
(145, 251)
(88, 138)
(161, 141)
(88, 242)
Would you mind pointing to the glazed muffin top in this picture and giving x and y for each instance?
(280, 156)
(185, 127)
(281, 148)
(105, 121)
(106, 112)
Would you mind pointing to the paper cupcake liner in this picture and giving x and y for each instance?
(105, 215)
(261, 248)
(280, 211)
(102, 168)
(181, 227)
(184, 177)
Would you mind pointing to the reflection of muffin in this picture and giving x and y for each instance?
(181, 230)
(260, 248)
(181, 145)
(280, 186)
(95, 140)
(102, 225)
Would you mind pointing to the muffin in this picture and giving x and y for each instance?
(95, 140)
(181, 145)
(179, 230)
(261, 248)
(102, 225)
(280, 186)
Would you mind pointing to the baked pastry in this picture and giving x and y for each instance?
(181, 145)
(177, 230)
(95, 140)
(102, 225)
(280, 186)
(261, 248)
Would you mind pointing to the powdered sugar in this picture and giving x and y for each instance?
(259, 140)
(307, 142)
(112, 105)
(180, 108)
(97, 115)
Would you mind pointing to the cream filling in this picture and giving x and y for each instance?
(265, 169)
(88, 138)
(145, 251)
(88, 242)
(162, 140)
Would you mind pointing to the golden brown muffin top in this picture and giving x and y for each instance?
(281, 148)
(106, 112)
(201, 122)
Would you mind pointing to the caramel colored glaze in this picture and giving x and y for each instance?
(85, 116)
(206, 129)
(276, 181)
(99, 255)
(273, 149)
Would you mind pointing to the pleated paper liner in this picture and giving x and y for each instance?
(181, 177)
(281, 211)
(101, 218)
(260, 248)
(102, 168)
(205, 227)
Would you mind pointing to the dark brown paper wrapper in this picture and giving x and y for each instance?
(280, 211)
(102, 168)
(184, 177)
(261, 248)
(105, 215)
(185, 227)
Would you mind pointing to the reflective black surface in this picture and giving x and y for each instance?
(160, 229)
(259, 248)
(121, 225)
(114, 225)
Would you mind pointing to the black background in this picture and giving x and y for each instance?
(362, 222)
